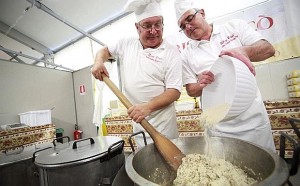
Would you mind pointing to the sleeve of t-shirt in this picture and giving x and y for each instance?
(173, 70)
(116, 48)
(188, 75)
(247, 34)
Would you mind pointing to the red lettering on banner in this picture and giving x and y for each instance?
(263, 23)
(260, 26)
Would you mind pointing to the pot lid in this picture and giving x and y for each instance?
(79, 151)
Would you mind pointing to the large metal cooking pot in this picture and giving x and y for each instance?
(147, 167)
(17, 168)
(90, 161)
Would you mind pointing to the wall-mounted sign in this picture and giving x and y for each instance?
(82, 89)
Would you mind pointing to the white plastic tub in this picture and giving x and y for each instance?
(234, 85)
(36, 118)
(185, 106)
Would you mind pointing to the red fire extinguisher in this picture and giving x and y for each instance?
(77, 133)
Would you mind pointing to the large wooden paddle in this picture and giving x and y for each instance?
(170, 152)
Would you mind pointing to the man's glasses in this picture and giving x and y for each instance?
(148, 27)
(188, 20)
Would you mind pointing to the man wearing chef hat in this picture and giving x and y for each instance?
(152, 70)
(208, 42)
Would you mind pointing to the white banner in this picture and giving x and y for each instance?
(275, 19)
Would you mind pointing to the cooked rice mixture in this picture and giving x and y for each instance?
(200, 170)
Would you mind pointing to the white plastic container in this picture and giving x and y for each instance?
(234, 85)
(293, 81)
(293, 74)
(294, 88)
(185, 106)
(294, 94)
(36, 118)
(115, 112)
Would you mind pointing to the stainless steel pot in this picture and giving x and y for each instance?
(147, 167)
(90, 161)
(17, 167)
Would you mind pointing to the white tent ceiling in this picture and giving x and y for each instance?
(33, 31)
(37, 29)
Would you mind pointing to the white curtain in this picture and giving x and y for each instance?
(103, 95)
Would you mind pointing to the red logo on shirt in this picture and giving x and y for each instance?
(154, 58)
(228, 40)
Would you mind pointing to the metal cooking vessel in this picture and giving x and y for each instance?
(147, 167)
(17, 167)
(90, 161)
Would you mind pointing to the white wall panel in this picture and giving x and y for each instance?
(271, 78)
(28, 88)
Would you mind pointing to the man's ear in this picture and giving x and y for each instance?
(137, 28)
(202, 12)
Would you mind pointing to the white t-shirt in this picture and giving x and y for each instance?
(199, 56)
(252, 125)
(147, 73)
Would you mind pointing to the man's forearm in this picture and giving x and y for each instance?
(259, 51)
(194, 89)
(102, 55)
(164, 99)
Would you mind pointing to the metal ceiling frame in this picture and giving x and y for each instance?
(27, 41)
(93, 30)
(43, 7)
(13, 56)
(48, 53)
(33, 58)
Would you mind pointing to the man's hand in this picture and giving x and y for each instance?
(195, 89)
(138, 112)
(98, 69)
(240, 55)
(205, 78)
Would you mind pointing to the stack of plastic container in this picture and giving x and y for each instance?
(293, 82)
(36, 118)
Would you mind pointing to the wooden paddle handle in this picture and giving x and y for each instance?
(145, 124)
(116, 91)
(170, 152)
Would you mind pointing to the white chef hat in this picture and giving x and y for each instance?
(144, 8)
(181, 6)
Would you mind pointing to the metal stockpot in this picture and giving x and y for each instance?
(147, 167)
(90, 161)
(17, 168)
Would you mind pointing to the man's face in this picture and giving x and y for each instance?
(150, 31)
(193, 24)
